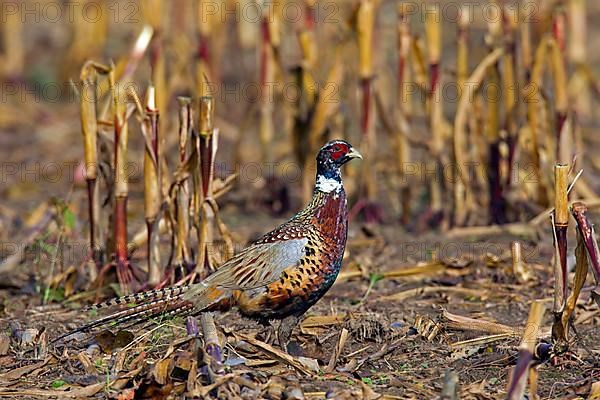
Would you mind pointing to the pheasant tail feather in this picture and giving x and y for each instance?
(143, 297)
(178, 300)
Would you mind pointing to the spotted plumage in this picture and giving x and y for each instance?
(279, 276)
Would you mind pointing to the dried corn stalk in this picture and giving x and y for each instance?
(365, 25)
(266, 79)
(207, 144)
(182, 194)
(433, 32)
(89, 128)
(560, 226)
(152, 193)
(518, 381)
(404, 100)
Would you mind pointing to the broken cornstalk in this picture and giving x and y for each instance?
(586, 230)
(518, 382)
(206, 147)
(560, 226)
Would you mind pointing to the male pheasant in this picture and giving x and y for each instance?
(278, 277)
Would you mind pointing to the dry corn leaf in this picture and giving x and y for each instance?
(275, 353)
(161, 370)
(471, 324)
(338, 350)
(4, 344)
(203, 391)
(26, 369)
(518, 381)
(481, 340)
(317, 321)
(108, 341)
(87, 363)
(595, 391)
(84, 392)
(406, 294)
(426, 269)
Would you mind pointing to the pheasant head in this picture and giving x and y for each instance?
(330, 158)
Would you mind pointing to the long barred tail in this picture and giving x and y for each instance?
(136, 308)
(143, 297)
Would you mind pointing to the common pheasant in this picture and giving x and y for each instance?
(278, 277)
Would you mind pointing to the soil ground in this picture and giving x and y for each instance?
(397, 348)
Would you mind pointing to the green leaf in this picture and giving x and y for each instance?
(58, 383)
(69, 218)
(116, 288)
(367, 380)
(54, 294)
(46, 248)
(374, 278)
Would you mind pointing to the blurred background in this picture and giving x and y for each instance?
(185, 129)
(269, 63)
(461, 109)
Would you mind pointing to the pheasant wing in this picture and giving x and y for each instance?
(258, 265)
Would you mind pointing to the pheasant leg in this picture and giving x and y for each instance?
(284, 333)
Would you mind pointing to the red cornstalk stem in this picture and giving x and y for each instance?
(155, 49)
(434, 73)
(561, 244)
(309, 21)
(207, 163)
(203, 49)
(366, 88)
(149, 228)
(586, 228)
(497, 200)
(121, 230)
(559, 26)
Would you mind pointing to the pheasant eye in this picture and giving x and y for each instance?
(338, 151)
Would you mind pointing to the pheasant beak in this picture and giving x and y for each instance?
(353, 153)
